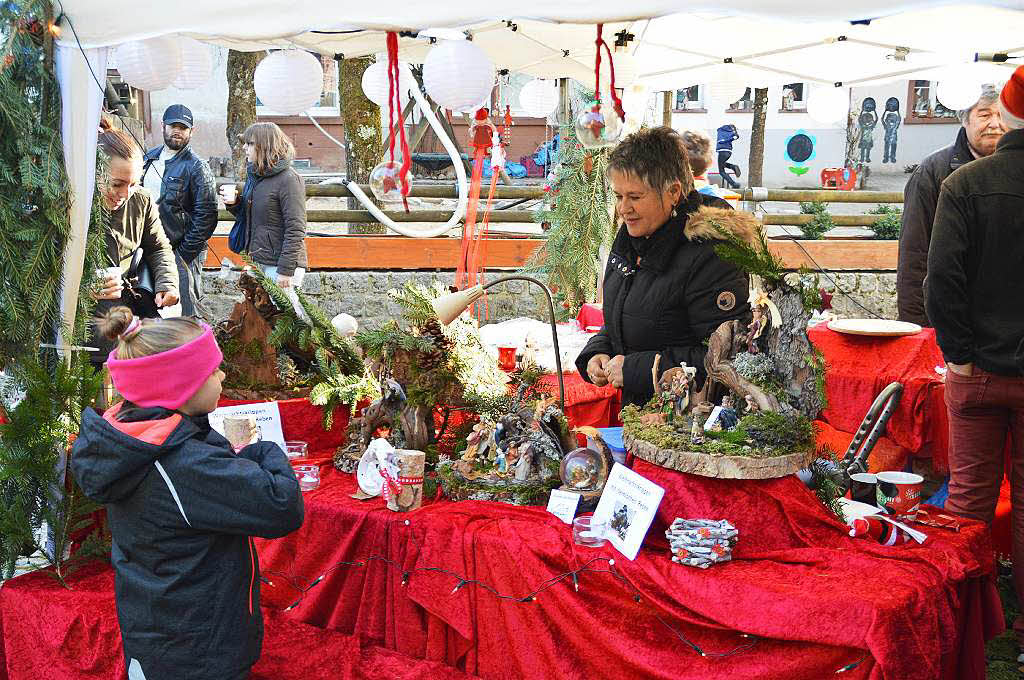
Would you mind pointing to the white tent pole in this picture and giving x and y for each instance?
(81, 105)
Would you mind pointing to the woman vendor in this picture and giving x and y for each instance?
(665, 289)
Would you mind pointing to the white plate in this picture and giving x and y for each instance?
(370, 481)
(884, 327)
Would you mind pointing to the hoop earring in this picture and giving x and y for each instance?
(674, 213)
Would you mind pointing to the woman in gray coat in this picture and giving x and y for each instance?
(274, 205)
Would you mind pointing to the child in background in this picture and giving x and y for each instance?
(181, 504)
(727, 134)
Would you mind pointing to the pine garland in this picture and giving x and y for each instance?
(580, 225)
(756, 259)
(43, 396)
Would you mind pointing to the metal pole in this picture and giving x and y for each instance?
(554, 328)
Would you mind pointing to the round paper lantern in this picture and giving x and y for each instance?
(828, 104)
(959, 87)
(149, 64)
(627, 71)
(289, 82)
(386, 182)
(598, 127)
(539, 98)
(634, 100)
(196, 64)
(375, 82)
(727, 92)
(457, 74)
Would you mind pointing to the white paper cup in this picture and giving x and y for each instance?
(229, 192)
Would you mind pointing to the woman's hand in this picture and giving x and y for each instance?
(614, 371)
(284, 281)
(596, 369)
(165, 299)
(110, 289)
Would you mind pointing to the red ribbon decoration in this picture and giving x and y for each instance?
(395, 114)
(393, 486)
(469, 263)
(616, 102)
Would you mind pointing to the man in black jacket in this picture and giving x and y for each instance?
(975, 276)
(982, 128)
(183, 186)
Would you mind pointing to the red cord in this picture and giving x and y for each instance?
(395, 105)
(616, 102)
(597, 64)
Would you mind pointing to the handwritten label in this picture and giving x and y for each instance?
(562, 504)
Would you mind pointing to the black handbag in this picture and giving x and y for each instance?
(139, 287)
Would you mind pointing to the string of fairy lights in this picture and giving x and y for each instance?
(592, 566)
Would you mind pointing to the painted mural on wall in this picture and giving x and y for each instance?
(891, 123)
(799, 150)
(867, 120)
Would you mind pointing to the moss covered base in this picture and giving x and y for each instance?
(458, 488)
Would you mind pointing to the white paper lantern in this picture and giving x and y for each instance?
(149, 64)
(539, 98)
(959, 86)
(196, 64)
(457, 74)
(289, 82)
(828, 104)
(627, 70)
(726, 92)
(634, 100)
(375, 82)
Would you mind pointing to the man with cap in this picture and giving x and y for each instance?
(183, 187)
(982, 127)
(973, 297)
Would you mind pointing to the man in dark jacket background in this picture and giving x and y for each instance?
(982, 128)
(183, 186)
(975, 276)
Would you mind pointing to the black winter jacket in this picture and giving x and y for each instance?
(666, 294)
(976, 261)
(188, 201)
(276, 215)
(919, 199)
(181, 508)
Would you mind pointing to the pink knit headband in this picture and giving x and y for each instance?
(167, 379)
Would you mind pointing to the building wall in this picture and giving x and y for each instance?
(915, 140)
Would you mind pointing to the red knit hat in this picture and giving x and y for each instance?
(1011, 101)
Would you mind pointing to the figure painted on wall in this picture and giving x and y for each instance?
(891, 122)
(867, 120)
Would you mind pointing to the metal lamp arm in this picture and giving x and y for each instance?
(554, 330)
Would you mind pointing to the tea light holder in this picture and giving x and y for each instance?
(308, 476)
(585, 532)
(296, 449)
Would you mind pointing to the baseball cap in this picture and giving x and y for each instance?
(178, 113)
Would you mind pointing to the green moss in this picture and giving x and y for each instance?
(775, 430)
(817, 361)
(518, 493)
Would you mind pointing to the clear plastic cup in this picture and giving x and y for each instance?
(296, 449)
(585, 532)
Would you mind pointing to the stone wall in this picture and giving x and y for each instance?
(363, 294)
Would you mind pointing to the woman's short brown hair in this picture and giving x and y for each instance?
(698, 151)
(655, 156)
(272, 145)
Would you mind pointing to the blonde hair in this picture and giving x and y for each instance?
(272, 145)
(151, 336)
(698, 151)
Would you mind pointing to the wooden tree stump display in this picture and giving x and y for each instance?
(251, 361)
(718, 466)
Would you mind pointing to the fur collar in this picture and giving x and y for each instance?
(706, 223)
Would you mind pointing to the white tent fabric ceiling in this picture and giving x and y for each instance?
(684, 43)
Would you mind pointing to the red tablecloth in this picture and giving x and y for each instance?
(56, 634)
(817, 598)
(859, 367)
(591, 316)
(586, 404)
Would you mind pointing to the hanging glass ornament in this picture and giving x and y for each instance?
(386, 183)
(598, 127)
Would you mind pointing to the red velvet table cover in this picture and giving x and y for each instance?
(816, 598)
(857, 369)
(51, 633)
(591, 316)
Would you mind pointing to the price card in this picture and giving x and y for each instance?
(562, 504)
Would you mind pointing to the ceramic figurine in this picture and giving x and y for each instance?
(696, 433)
(752, 406)
(501, 461)
(727, 416)
(523, 464)
(755, 329)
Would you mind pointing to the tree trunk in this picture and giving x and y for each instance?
(666, 108)
(755, 164)
(361, 120)
(241, 103)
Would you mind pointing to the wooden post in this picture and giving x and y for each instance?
(565, 106)
(755, 162)
(666, 108)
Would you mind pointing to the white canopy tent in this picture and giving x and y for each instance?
(676, 43)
